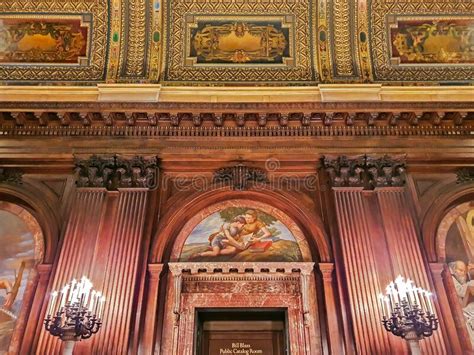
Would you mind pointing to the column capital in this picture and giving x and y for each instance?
(155, 270)
(44, 270)
(437, 268)
(113, 172)
(327, 270)
(365, 171)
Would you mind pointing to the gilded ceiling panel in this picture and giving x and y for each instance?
(229, 42)
(240, 41)
(53, 41)
(422, 41)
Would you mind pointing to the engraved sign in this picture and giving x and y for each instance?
(245, 343)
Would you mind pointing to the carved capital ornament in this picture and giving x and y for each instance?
(365, 171)
(113, 172)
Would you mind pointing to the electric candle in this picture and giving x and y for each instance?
(381, 299)
(52, 302)
(101, 308)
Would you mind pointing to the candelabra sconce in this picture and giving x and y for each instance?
(408, 312)
(76, 314)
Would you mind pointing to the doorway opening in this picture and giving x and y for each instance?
(244, 331)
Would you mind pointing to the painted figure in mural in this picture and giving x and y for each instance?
(219, 241)
(240, 233)
(464, 289)
(236, 236)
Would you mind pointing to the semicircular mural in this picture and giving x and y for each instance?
(239, 231)
(21, 251)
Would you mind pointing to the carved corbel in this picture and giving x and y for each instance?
(86, 118)
(11, 176)
(465, 175)
(240, 176)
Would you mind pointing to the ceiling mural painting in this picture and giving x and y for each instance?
(234, 42)
(33, 40)
(432, 41)
(239, 42)
(425, 41)
(52, 41)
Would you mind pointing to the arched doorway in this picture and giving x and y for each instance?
(22, 250)
(455, 248)
(232, 260)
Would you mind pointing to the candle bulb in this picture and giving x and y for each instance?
(389, 308)
(52, 303)
(101, 308)
(429, 301)
(381, 299)
(71, 294)
(97, 295)
(64, 294)
(91, 302)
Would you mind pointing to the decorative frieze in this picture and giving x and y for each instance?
(113, 172)
(365, 171)
(239, 176)
(11, 176)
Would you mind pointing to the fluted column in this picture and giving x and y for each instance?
(334, 332)
(35, 318)
(121, 272)
(148, 335)
(360, 265)
(104, 240)
(456, 336)
(405, 252)
(75, 257)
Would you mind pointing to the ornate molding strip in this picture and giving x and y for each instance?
(301, 122)
(465, 175)
(114, 172)
(11, 176)
(365, 171)
(239, 176)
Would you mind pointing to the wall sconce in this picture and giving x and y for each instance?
(75, 313)
(408, 312)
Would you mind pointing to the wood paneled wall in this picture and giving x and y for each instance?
(379, 240)
(103, 241)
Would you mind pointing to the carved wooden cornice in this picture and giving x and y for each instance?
(114, 172)
(465, 175)
(261, 123)
(239, 176)
(11, 176)
(365, 171)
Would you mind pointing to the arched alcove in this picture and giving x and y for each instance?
(258, 276)
(285, 241)
(189, 206)
(23, 248)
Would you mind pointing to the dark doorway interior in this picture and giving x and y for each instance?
(226, 331)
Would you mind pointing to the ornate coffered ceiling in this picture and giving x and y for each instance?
(236, 42)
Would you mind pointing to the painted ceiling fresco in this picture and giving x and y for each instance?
(217, 42)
